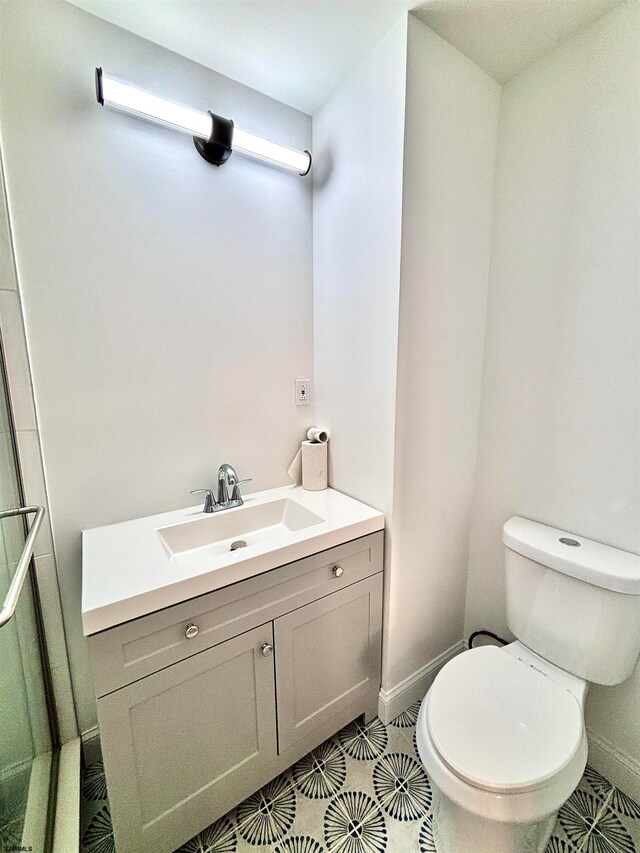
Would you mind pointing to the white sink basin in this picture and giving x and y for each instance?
(139, 566)
(259, 524)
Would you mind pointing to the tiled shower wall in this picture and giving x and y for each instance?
(13, 341)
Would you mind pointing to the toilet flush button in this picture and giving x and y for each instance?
(566, 541)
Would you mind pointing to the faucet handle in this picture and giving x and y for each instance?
(209, 501)
(235, 494)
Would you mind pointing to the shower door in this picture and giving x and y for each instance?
(27, 762)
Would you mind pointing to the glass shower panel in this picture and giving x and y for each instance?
(25, 730)
(25, 737)
(16, 742)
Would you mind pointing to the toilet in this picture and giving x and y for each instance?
(501, 731)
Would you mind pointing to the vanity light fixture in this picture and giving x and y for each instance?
(215, 137)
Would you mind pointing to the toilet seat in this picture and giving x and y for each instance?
(500, 724)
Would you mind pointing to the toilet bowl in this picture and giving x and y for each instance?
(503, 743)
(501, 731)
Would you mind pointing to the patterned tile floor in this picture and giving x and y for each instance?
(364, 791)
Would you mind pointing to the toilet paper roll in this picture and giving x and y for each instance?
(319, 435)
(314, 466)
(316, 435)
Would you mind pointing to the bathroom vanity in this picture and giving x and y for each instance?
(205, 699)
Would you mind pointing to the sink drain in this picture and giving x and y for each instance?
(239, 543)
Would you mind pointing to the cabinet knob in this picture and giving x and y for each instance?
(338, 571)
(192, 631)
(267, 648)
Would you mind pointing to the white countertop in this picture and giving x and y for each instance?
(127, 572)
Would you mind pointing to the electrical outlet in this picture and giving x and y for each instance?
(304, 391)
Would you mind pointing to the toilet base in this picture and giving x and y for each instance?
(456, 830)
(468, 819)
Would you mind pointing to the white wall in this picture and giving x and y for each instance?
(449, 165)
(168, 303)
(357, 210)
(559, 435)
(417, 337)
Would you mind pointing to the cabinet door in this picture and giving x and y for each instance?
(186, 744)
(328, 661)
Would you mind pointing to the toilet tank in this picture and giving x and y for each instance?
(573, 601)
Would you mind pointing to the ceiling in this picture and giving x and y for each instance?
(505, 36)
(297, 51)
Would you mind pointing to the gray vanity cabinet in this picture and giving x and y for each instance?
(202, 703)
(189, 741)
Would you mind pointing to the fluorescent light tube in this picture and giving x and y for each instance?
(270, 152)
(130, 99)
(123, 96)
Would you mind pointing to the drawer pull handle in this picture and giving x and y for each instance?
(338, 571)
(267, 648)
(192, 631)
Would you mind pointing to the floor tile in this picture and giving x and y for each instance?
(364, 743)
(322, 773)
(559, 842)
(578, 816)
(353, 823)
(365, 791)
(266, 817)
(408, 719)
(94, 783)
(405, 795)
(409, 836)
(220, 837)
(402, 740)
(97, 836)
(96, 832)
(402, 787)
(307, 827)
(360, 775)
(405, 727)
(609, 835)
(622, 821)
(595, 783)
(299, 844)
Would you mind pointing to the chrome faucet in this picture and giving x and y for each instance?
(227, 478)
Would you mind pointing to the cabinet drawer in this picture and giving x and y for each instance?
(131, 651)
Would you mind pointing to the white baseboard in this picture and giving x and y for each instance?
(395, 701)
(621, 770)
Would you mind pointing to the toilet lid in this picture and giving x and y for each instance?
(499, 723)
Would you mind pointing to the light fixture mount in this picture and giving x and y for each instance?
(217, 149)
(99, 95)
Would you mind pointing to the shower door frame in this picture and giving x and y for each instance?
(50, 758)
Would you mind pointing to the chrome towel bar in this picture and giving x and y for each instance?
(13, 593)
